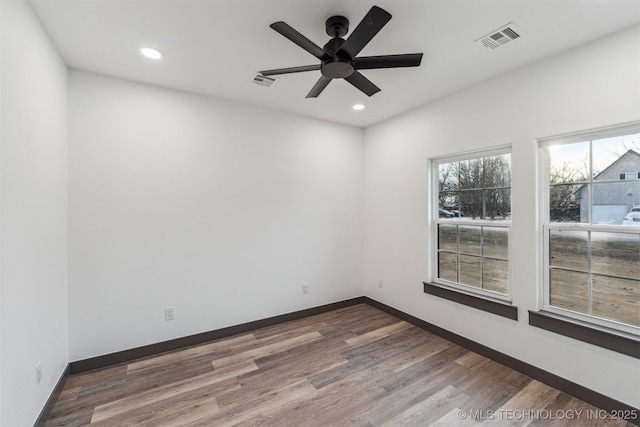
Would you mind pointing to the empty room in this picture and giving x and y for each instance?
(319, 213)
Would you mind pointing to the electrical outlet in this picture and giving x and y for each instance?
(380, 282)
(38, 373)
(169, 313)
(305, 288)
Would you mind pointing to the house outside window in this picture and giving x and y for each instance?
(471, 222)
(591, 214)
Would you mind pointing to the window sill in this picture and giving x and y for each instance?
(491, 305)
(601, 336)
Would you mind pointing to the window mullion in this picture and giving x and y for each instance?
(589, 277)
(482, 256)
(457, 253)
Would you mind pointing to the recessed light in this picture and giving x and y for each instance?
(358, 107)
(150, 52)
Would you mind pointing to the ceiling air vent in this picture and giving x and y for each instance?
(261, 80)
(500, 37)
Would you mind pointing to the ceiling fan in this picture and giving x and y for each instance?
(338, 58)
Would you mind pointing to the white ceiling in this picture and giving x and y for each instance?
(213, 47)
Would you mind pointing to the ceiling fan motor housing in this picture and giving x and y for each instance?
(334, 66)
(337, 26)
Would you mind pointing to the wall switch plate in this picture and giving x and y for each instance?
(169, 313)
(305, 288)
(380, 282)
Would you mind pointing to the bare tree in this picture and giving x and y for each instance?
(448, 176)
(497, 171)
(565, 191)
(477, 187)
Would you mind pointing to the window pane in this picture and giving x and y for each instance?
(613, 200)
(569, 249)
(615, 254)
(497, 171)
(448, 176)
(469, 240)
(470, 270)
(569, 290)
(471, 174)
(496, 275)
(569, 163)
(565, 203)
(498, 203)
(616, 299)
(495, 242)
(447, 266)
(613, 157)
(448, 205)
(447, 238)
(471, 204)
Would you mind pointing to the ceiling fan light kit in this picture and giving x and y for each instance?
(338, 58)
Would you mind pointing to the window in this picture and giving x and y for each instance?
(472, 217)
(592, 227)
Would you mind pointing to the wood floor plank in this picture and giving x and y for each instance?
(534, 395)
(268, 349)
(189, 407)
(121, 385)
(316, 322)
(454, 418)
(356, 366)
(492, 387)
(414, 373)
(407, 394)
(260, 382)
(328, 406)
(378, 334)
(311, 357)
(205, 349)
(99, 376)
(254, 405)
(554, 414)
(428, 410)
(371, 354)
(167, 391)
(69, 394)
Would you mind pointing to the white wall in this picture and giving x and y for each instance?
(594, 85)
(33, 211)
(219, 209)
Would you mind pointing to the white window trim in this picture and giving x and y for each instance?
(434, 220)
(547, 225)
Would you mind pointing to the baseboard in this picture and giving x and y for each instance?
(53, 398)
(191, 340)
(583, 393)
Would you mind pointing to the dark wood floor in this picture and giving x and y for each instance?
(354, 366)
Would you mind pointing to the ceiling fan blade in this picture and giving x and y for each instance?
(362, 83)
(387, 61)
(290, 70)
(318, 87)
(373, 22)
(299, 39)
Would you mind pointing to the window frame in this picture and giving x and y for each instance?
(547, 225)
(435, 221)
